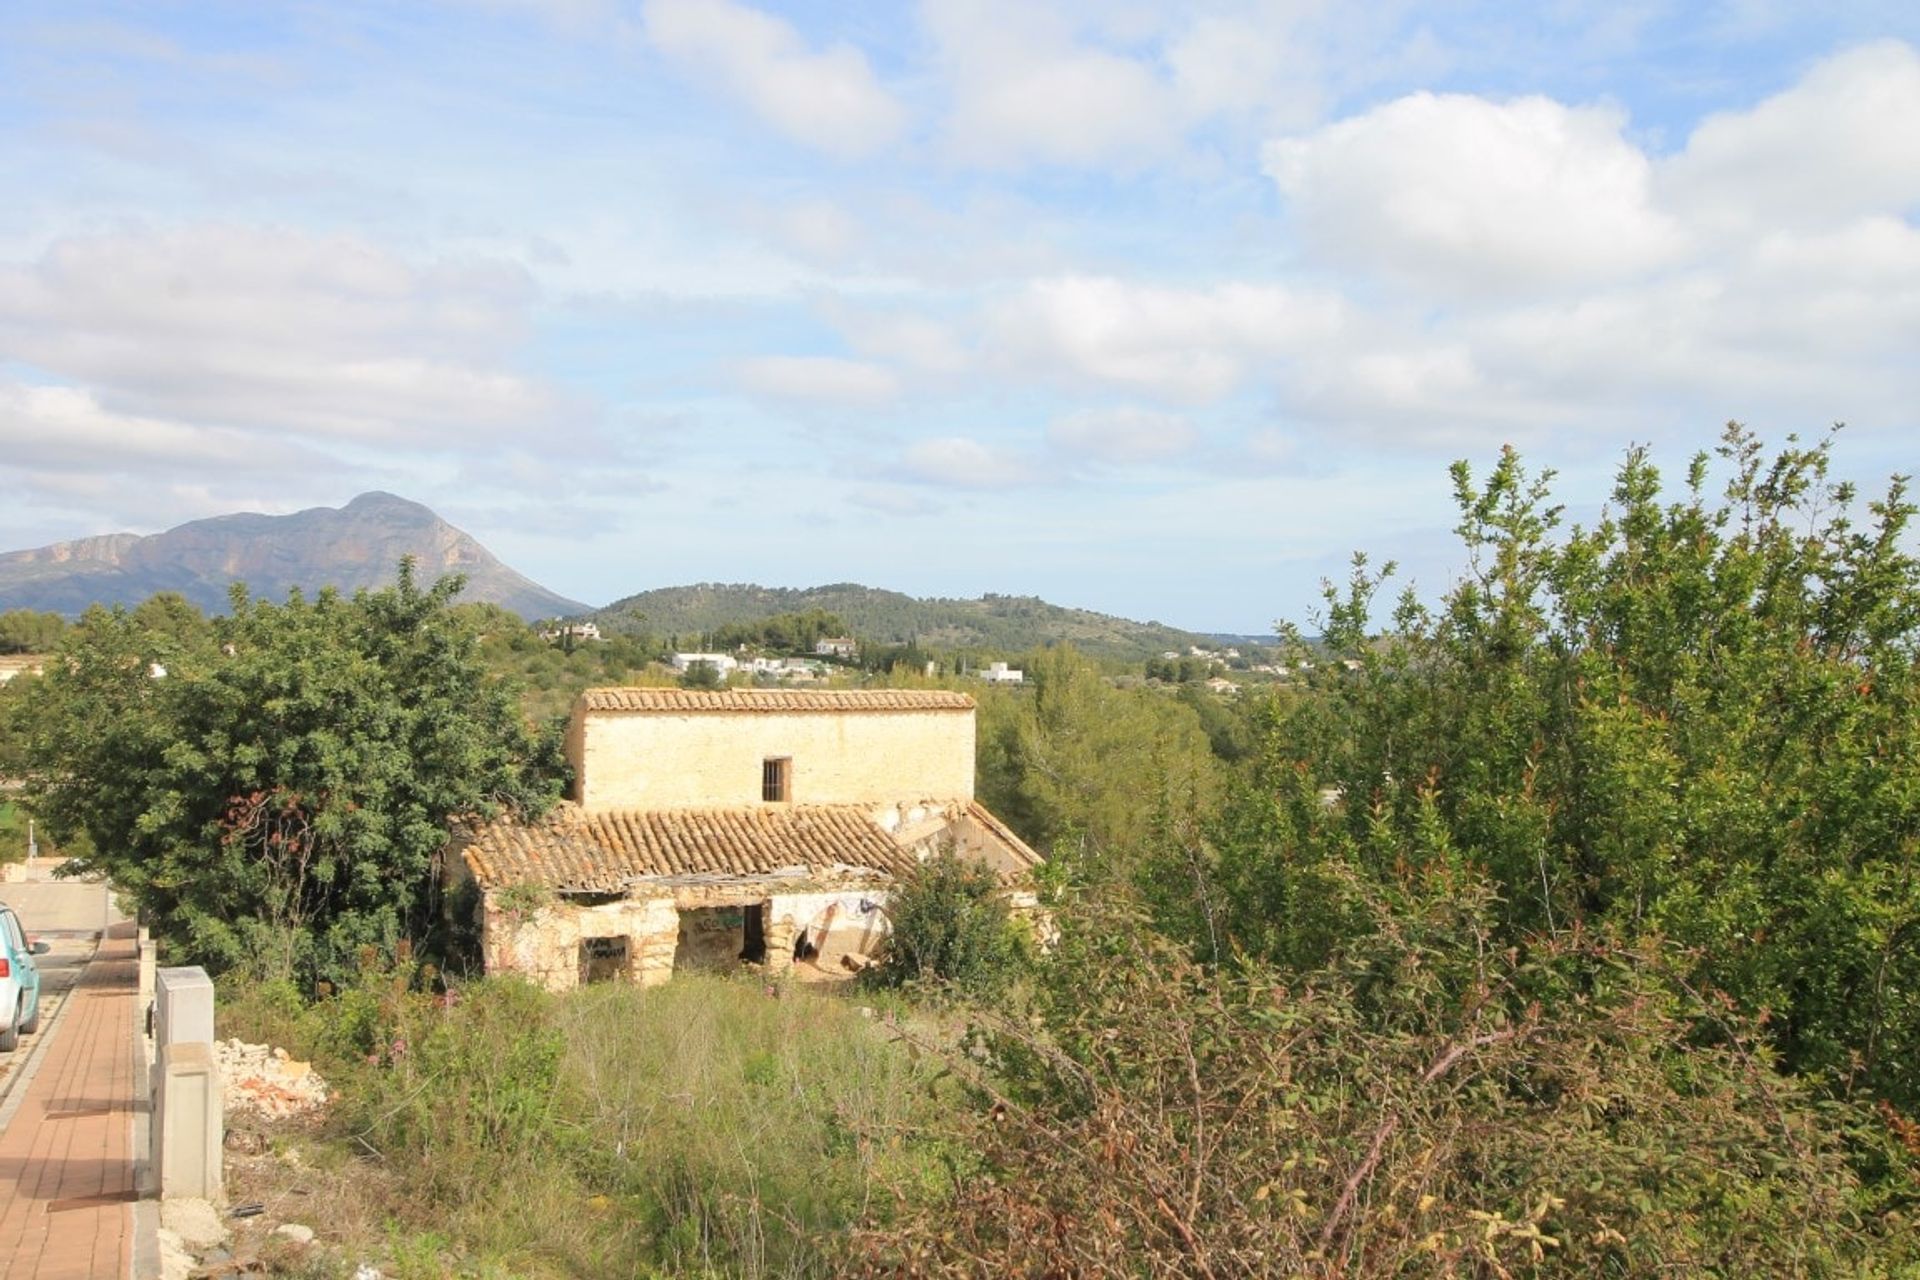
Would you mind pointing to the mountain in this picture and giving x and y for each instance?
(348, 547)
(1005, 624)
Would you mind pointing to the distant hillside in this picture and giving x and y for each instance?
(349, 547)
(1003, 623)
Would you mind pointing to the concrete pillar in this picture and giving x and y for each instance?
(188, 1126)
(183, 1007)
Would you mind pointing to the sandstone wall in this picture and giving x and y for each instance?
(544, 945)
(624, 760)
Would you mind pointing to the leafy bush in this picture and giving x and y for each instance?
(1696, 716)
(951, 924)
(1427, 1104)
(280, 796)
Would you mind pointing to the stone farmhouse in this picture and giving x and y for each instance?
(713, 828)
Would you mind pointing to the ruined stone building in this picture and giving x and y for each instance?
(707, 829)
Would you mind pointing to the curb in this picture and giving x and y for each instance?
(15, 1091)
(144, 1264)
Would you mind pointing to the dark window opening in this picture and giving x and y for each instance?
(716, 939)
(753, 941)
(776, 780)
(602, 960)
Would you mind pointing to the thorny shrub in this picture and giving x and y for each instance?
(1425, 1104)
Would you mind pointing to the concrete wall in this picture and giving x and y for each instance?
(653, 760)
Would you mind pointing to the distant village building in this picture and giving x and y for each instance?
(836, 647)
(723, 663)
(574, 631)
(711, 828)
(1001, 673)
(1221, 685)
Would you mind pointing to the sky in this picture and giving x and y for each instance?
(1157, 309)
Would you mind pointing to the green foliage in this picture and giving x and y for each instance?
(702, 675)
(789, 633)
(1090, 773)
(1187, 670)
(711, 1127)
(280, 796)
(1700, 716)
(551, 675)
(995, 623)
(28, 631)
(1427, 1103)
(951, 926)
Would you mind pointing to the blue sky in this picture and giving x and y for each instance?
(1159, 309)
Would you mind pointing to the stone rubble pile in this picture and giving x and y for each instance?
(266, 1082)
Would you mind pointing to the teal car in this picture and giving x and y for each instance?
(19, 981)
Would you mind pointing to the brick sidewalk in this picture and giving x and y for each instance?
(66, 1158)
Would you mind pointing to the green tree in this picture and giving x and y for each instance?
(1426, 1103)
(951, 924)
(26, 631)
(702, 675)
(281, 795)
(1075, 764)
(1699, 717)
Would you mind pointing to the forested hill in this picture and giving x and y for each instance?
(1002, 623)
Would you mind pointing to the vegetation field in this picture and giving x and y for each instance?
(711, 1127)
(1565, 926)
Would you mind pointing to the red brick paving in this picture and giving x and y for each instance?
(66, 1159)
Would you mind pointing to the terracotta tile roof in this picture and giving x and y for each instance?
(683, 700)
(572, 849)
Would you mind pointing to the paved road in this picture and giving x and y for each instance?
(69, 914)
(56, 907)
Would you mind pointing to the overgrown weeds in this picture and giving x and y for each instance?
(711, 1127)
(1425, 1104)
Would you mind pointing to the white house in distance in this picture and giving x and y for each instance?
(712, 828)
(1001, 673)
(836, 647)
(723, 663)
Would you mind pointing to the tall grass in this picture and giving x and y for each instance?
(711, 1127)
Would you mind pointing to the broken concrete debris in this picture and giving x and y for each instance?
(266, 1082)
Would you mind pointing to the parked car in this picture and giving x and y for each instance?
(19, 980)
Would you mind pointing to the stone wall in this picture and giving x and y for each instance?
(711, 759)
(544, 944)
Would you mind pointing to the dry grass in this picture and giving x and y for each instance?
(712, 1127)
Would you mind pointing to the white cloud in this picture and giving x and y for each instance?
(963, 462)
(829, 100)
(1181, 344)
(1257, 63)
(916, 342)
(820, 379)
(1843, 142)
(56, 428)
(1025, 89)
(1121, 435)
(1469, 196)
(260, 329)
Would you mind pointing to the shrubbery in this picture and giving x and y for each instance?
(710, 1127)
(1427, 1104)
(952, 926)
